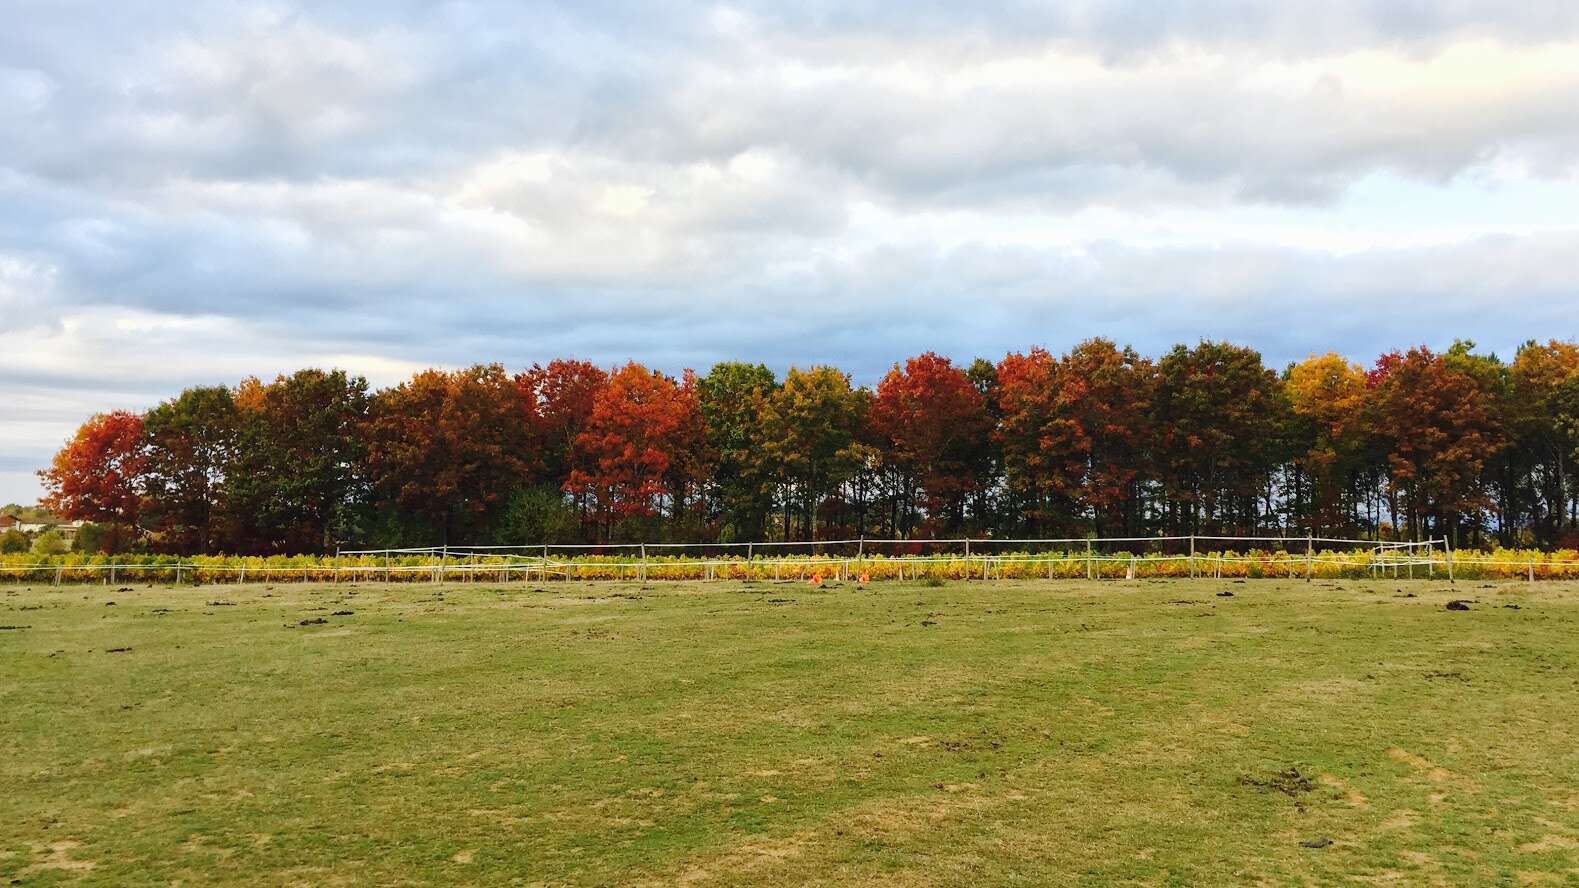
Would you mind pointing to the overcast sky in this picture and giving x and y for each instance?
(195, 192)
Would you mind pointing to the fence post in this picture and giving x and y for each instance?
(1447, 549)
(644, 562)
(1192, 556)
(966, 572)
(1532, 570)
(1310, 554)
(1088, 557)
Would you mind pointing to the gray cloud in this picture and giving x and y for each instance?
(196, 192)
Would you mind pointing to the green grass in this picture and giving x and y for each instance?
(1067, 733)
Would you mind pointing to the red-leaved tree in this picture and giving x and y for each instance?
(98, 475)
(559, 398)
(932, 420)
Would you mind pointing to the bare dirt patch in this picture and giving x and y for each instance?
(1432, 771)
(58, 856)
(1549, 842)
(1354, 797)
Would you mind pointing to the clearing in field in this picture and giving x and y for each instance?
(1148, 733)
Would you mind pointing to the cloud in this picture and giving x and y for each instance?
(197, 192)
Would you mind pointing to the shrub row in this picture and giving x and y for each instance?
(1468, 564)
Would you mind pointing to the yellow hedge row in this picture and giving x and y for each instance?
(1328, 564)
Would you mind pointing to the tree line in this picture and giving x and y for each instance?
(1099, 440)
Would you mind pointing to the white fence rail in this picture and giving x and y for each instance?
(1091, 558)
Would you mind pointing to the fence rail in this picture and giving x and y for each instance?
(1243, 557)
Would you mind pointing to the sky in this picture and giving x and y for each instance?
(196, 192)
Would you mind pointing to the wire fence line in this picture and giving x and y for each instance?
(1091, 558)
(965, 542)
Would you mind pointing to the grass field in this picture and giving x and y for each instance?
(1146, 733)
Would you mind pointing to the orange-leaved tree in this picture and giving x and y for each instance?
(638, 449)
(1439, 425)
(445, 450)
(1024, 386)
(98, 475)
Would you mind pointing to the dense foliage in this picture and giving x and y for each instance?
(1100, 440)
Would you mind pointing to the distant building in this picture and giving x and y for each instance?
(8, 522)
(67, 530)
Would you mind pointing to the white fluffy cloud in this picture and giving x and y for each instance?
(202, 191)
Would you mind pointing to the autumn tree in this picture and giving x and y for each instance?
(811, 436)
(692, 466)
(296, 476)
(930, 419)
(1438, 423)
(635, 455)
(1101, 435)
(1075, 433)
(559, 399)
(1565, 417)
(1506, 471)
(1327, 396)
(446, 448)
(190, 441)
(1221, 434)
(1025, 383)
(1543, 449)
(1101, 440)
(98, 476)
(732, 397)
(986, 454)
